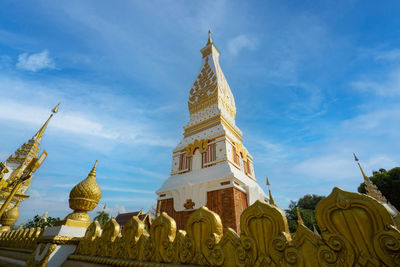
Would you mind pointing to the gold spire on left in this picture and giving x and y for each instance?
(39, 134)
(18, 161)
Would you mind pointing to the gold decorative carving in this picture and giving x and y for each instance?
(204, 90)
(241, 150)
(60, 240)
(189, 204)
(230, 244)
(163, 231)
(204, 231)
(200, 144)
(264, 236)
(358, 229)
(86, 245)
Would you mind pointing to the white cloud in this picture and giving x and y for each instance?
(35, 62)
(388, 87)
(241, 42)
(390, 55)
(74, 117)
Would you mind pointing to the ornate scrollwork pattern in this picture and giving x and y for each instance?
(356, 230)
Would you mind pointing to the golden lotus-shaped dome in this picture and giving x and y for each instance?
(10, 217)
(86, 195)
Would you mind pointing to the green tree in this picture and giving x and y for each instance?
(102, 217)
(307, 206)
(38, 221)
(388, 182)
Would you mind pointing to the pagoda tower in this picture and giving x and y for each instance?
(210, 165)
(12, 169)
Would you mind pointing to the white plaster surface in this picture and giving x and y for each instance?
(195, 185)
(60, 255)
(64, 231)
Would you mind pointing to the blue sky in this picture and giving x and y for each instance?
(313, 82)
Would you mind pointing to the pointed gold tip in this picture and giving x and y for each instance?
(299, 219)
(271, 199)
(355, 157)
(54, 110)
(93, 171)
(268, 184)
(209, 38)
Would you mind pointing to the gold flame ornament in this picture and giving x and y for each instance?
(83, 197)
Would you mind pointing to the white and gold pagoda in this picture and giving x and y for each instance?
(210, 165)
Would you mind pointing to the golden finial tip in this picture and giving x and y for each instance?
(271, 199)
(268, 181)
(355, 157)
(209, 38)
(56, 108)
(93, 171)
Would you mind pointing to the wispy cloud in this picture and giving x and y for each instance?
(74, 118)
(241, 42)
(124, 189)
(389, 55)
(387, 86)
(35, 62)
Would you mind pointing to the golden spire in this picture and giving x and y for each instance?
(209, 38)
(371, 189)
(39, 134)
(271, 199)
(30, 150)
(299, 219)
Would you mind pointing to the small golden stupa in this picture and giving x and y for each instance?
(83, 197)
(9, 218)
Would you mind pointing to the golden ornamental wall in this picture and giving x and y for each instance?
(356, 230)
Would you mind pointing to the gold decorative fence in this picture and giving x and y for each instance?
(356, 230)
(22, 239)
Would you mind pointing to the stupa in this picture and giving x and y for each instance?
(210, 165)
